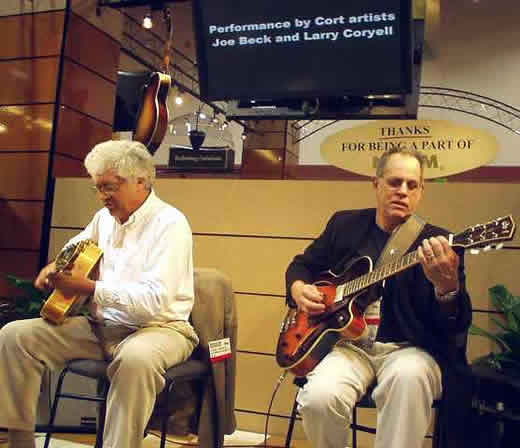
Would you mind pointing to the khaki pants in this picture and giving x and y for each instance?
(139, 359)
(408, 380)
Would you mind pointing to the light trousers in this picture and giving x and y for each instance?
(408, 380)
(139, 360)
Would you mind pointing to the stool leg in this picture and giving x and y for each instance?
(292, 421)
(164, 408)
(353, 426)
(103, 386)
(54, 407)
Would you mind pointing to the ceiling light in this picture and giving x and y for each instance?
(147, 21)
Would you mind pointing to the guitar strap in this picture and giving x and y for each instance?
(401, 239)
(396, 246)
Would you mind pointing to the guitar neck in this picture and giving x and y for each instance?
(477, 236)
(381, 273)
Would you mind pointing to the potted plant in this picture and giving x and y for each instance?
(24, 306)
(508, 337)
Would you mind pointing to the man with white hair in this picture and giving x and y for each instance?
(139, 310)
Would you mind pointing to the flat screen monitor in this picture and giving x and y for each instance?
(273, 49)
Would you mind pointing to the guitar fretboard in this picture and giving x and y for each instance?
(496, 231)
(381, 273)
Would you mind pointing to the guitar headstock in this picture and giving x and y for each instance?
(69, 253)
(486, 235)
(168, 45)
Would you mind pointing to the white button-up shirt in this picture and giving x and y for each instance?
(146, 272)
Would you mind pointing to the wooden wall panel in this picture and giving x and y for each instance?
(29, 80)
(488, 269)
(263, 315)
(262, 207)
(291, 158)
(477, 345)
(263, 163)
(66, 190)
(265, 150)
(263, 127)
(110, 21)
(87, 92)
(254, 394)
(77, 133)
(84, 42)
(10, 7)
(267, 134)
(300, 209)
(21, 224)
(58, 238)
(23, 175)
(66, 166)
(30, 35)
(256, 265)
(242, 256)
(16, 262)
(28, 128)
(270, 140)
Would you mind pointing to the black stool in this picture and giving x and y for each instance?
(190, 370)
(365, 402)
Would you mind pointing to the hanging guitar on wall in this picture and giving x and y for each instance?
(152, 117)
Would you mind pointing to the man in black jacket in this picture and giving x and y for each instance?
(414, 346)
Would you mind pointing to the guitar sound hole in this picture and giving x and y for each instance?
(298, 336)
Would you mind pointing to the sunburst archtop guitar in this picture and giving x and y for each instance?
(80, 259)
(152, 118)
(305, 340)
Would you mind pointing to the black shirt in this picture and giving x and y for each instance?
(373, 246)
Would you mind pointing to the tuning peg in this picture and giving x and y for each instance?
(487, 248)
(474, 251)
(499, 246)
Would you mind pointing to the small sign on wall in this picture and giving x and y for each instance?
(449, 148)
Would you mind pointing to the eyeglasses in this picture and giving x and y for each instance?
(396, 183)
(106, 188)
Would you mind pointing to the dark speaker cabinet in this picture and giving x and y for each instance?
(497, 406)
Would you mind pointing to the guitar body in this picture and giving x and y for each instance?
(152, 119)
(305, 340)
(82, 262)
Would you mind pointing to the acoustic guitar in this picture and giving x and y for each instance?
(80, 259)
(305, 340)
(153, 115)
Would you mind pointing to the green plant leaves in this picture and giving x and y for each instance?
(28, 304)
(509, 304)
(477, 331)
(508, 338)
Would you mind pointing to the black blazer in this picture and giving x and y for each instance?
(415, 315)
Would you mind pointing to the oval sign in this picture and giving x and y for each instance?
(449, 148)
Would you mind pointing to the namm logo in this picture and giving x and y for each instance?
(448, 147)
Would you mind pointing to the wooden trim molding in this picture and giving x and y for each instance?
(507, 174)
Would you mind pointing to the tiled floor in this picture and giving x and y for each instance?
(80, 440)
